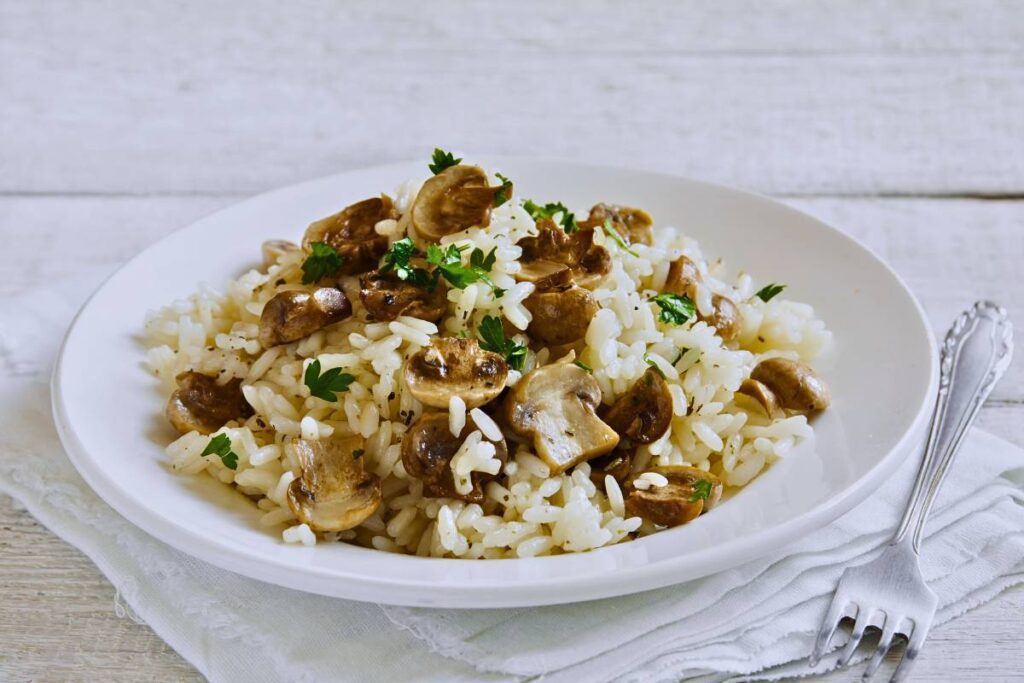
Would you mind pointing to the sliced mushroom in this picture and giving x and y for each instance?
(202, 405)
(555, 406)
(427, 451)
(455, 199)
(753, 393)
(683, 278)
(545, 274)
(333, 493)
(560, 316)
(386, 297)
(295, 314)
(633, 224)
(452, 366)
(682, 500)
(794, 384)
(642, 414)
(272, 250)
(618, 463)
(726, 317)
(351, 233)
(588, 262)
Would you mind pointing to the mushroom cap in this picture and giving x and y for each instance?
(455, 199)
(618, 463)
(427, 450)
(560, 316)
(555, 406)
(294, 314)
(385, 297)
(453, 366)
(588, 262)
(726, 318)
(794, 384)
(683, 278)
(545, 274)
(272, 250)
(332, 493)
(644, 412)
(633, 224)
(202, 405)
(676, 503)
(351, 233)
(752, 392)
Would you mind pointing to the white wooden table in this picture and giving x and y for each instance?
(901, 122)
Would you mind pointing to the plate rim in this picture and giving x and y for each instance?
(546, 591)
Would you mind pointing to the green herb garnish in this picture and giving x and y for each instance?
(398, 258)
(550, 210)
(619, 239)
(220, 446)
(442, 160)
(449, 265)
(327, 385)
(701, 490)
(357, 453)
(676, 309)
(767, 292)
(322, 262)
(581, 364)
(504, 192)
(657, 368)
(493, 335)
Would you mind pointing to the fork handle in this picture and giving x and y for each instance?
(975, 354)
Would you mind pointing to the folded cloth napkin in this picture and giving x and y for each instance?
(758, 619)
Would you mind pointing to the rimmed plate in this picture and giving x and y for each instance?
(109, 412)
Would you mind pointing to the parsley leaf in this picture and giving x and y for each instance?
(581, 364)
(675, 309)
(320, 263)
(327, 385)
(449, 265)
(610, 230)
(442, 160)
(701, 490)
(550, 210)
(504, 193)
(220, 446)
(493, 335)
(657, 368)
(398, 257)
(766, 293)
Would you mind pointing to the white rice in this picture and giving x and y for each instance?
(528, 512)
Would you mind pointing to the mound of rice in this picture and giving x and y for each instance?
(527, 511)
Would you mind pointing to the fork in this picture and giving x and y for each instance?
(889, 593)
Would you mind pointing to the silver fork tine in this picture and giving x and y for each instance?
(884, 643)
(868, 617)
(839, 609)
(910, 655)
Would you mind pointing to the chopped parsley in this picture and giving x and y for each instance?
(442, 160)
(220, 446)
(581, 364)
(493, 335)
(357, 453)
(619, 239)
(327, 385)
(504, 192)
(767, 292)
(657, 368)
(676, 309)
(550, 210)
(701, 490)
(398, 258)
(449, 265)
(323, 261)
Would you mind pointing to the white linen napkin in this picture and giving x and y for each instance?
(757, 619)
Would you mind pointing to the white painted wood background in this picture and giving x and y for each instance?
(903, 122)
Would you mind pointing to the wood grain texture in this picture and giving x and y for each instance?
(202, 97)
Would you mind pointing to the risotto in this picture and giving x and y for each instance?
(453, 371)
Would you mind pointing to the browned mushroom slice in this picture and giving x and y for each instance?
(560, 316)
(555, 406)
(333, 493)
(292, 315)
(452, 366)
(545, 274)
(386, 297)
(683, 278)
(794, 384)
(588, 262)
(427, 451)
(642, 414)
(633, 224)
(618, 464)
(272, 250)
(689, 492)
(350, 232)
(202, 405)
(726, 317)
(455, 199)
(756, 396)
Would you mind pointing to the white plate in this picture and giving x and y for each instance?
(109, 410)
